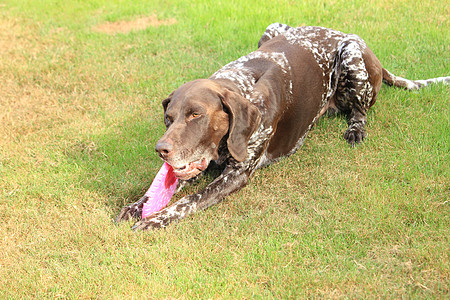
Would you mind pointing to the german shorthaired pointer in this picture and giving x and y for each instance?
(259, 109)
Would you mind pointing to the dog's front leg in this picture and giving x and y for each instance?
(232, 179)
(134, 210)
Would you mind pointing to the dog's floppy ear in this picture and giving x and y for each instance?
(244, 119)
(165, 103)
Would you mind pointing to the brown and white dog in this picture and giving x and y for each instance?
(259, 109)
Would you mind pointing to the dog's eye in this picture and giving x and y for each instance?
(195, 115)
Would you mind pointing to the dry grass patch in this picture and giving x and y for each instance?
(133, 25)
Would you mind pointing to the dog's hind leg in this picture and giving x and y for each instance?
(358, 85)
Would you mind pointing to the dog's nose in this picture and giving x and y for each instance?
(164, 148)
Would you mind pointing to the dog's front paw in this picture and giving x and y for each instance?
(132, 211)
(173, 213)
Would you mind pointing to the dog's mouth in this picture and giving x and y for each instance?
(191, 169)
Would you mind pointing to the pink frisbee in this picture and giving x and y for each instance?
(161, 190)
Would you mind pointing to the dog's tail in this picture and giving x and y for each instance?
(397, 81)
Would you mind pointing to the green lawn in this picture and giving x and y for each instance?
(80, 114)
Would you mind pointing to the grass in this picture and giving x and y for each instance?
(80, 113)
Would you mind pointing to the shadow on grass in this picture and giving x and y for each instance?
(120, 163)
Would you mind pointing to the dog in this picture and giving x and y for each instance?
(259, 109)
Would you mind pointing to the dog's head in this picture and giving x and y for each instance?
(198, 115)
